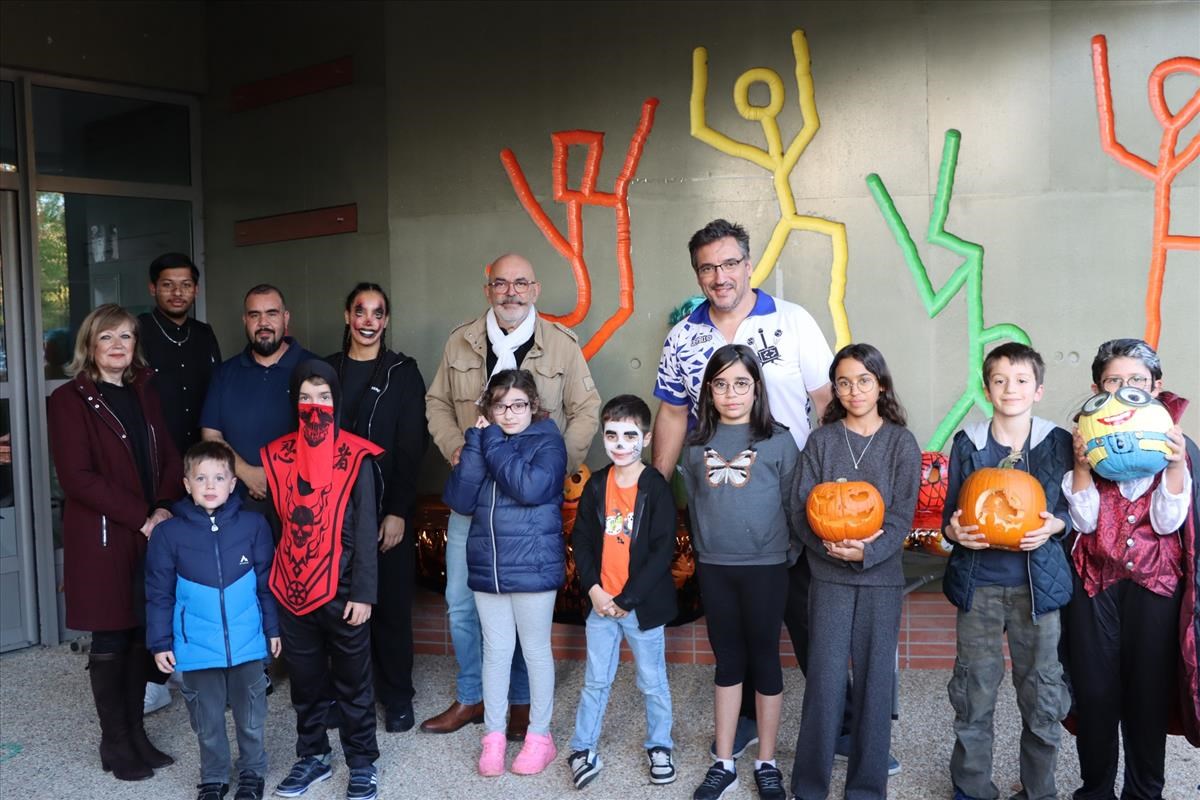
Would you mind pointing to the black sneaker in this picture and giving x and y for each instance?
(585, 765)
(250, 787)
(716, 783)
(212, 791)
(769, 780)
(745, 735)
(305, 772)
(364, 783)
(399, 720)
(662, 768)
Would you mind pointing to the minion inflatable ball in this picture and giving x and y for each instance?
(1125, 433)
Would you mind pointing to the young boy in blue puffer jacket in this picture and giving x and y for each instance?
(210, 614)
(510, 478)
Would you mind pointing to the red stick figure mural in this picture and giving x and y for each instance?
(1171, 161)
(570, 246)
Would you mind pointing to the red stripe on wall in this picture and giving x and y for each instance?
(296, 225)
(297, 83)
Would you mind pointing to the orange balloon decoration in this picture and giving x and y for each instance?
(1171, 161)
(570, 246)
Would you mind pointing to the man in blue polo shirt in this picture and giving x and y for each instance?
(247, 405)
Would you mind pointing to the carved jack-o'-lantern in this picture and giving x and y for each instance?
(931, 495)
(1125, 433)
(1005, 503)
(573, 485)
(844, 509)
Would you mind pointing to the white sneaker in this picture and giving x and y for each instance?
(157, 696)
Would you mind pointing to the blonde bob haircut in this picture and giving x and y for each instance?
(104, 318)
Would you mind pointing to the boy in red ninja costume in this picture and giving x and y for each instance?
(324, 577)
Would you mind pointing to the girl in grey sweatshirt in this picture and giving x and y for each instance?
(738, 466)
(857, 585)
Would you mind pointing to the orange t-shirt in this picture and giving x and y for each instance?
(618, 530)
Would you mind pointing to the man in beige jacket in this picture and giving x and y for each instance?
(509, 336)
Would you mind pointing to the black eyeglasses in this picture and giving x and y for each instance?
(726, 266)
(520, 285)
(518, 408)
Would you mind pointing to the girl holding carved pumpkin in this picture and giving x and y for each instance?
(857, 582)
(737, 465)
(1131, 625)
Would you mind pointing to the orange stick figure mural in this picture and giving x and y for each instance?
(570, 246)
(1171, 161)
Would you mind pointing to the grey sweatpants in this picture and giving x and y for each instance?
(861, 625)
(504, 617)
(244, 689)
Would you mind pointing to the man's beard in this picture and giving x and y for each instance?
(266, 347)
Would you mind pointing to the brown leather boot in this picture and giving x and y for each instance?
(518, 722)
(454, 717)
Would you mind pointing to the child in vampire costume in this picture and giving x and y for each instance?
(325, 561)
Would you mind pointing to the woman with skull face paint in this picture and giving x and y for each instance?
(324, 577)
(385, 402)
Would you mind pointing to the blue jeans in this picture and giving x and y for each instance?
(603, 653)
(465, 632)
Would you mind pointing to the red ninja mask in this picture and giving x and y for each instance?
(315, 444)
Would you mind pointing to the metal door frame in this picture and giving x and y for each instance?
(26, 289)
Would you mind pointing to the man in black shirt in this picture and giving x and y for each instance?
(183, 351)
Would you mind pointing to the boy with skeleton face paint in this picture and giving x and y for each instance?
(324, 577)
(624, 542)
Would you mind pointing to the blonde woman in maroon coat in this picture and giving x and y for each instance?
(119, 472)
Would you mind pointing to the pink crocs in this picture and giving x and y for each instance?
(537, 753)
(491, 760)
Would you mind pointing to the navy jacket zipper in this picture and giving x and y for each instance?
(221, 596)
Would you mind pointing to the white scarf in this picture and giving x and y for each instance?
(505, 345)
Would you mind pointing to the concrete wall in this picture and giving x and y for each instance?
(1066, 230)
(154, 44)
(315, 151)
(441, 88)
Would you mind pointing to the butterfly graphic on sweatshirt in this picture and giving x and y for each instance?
(735, 472)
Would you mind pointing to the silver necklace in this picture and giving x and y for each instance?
(167, 336)
(857, 461)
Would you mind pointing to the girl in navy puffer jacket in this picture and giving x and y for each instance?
(509, 478)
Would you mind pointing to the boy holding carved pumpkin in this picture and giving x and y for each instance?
(1132, 625)
(1008, 572)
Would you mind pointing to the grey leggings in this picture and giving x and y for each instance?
(503, 617)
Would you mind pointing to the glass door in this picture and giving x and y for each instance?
(18, 609)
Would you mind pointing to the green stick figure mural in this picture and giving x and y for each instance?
(969, 272)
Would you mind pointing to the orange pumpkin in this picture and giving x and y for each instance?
(1005, 503)
(573, 485)
(844, 509)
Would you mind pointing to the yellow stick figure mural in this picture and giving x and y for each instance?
(778, 162)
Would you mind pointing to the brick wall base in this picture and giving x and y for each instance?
(926, 634)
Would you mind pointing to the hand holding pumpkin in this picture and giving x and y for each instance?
(966, 535)
(851, 549)
(1039, 536)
